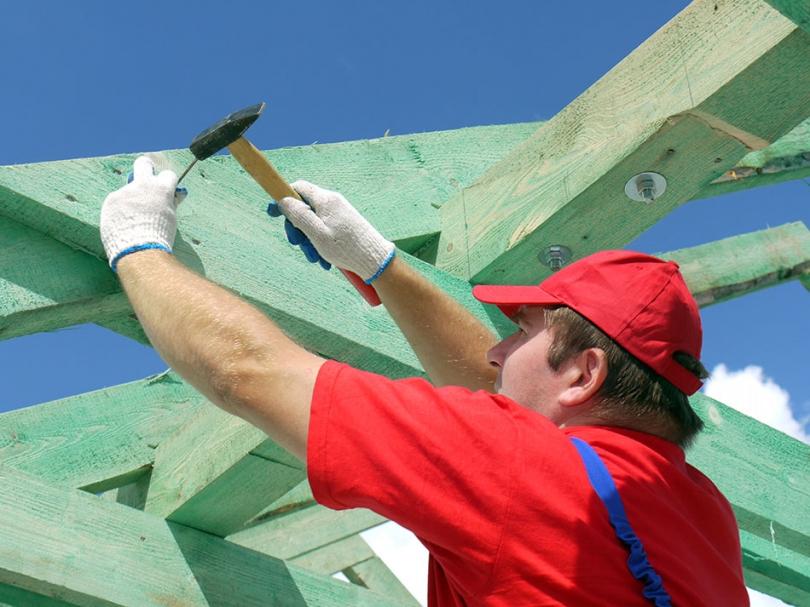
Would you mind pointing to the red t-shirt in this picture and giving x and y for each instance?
(500, 498)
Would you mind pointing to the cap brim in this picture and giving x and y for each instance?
(509, 298)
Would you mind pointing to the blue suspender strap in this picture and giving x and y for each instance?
(605, 488)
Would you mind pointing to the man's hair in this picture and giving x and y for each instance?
(633, 395)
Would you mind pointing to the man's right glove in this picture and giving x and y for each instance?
(338, 232)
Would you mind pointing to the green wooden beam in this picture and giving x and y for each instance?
(76, 548)
(251, 256)
(70, 287)
(786, 159)
(796, 10)
(11, 596)
(217, 472)
(397, 182)
(375, 575)
(765, 476)
(735, 266)
(335, 557)
(720, 80)
(46, 285)
(774, 570)
(302, 530)
(100, 440)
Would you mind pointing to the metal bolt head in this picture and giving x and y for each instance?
(645, 187)
(555, 256)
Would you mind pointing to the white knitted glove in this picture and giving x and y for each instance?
(142, 214)
(338, 232)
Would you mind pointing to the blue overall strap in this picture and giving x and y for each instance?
(605, 488)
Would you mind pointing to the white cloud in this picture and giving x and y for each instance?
(405, 556)
(753, 393)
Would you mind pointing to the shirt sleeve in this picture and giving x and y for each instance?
(438, 461)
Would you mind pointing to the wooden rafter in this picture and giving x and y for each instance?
(172, 467)
(718, 81)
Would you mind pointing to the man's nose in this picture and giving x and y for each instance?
(497, 353)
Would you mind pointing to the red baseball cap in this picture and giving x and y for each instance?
(640, 301)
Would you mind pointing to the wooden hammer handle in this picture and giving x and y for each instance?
(266, 175)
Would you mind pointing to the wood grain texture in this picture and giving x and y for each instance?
(728, 268)
(208, 476)
(374, 575)
(226, 235)
(796, 10)
(787, 159)
(336, 556)
(46, 285)
(762, 472)
(774, 570)
(689, 103)
(77, 548)
(100, 440)
(301, 530)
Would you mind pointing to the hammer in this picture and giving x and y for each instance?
(229, 132)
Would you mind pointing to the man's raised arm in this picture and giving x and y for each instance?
(223, 346)
(449, 341)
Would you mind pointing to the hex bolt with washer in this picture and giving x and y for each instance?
(646, 187)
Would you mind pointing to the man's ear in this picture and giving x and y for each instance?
(587, 372)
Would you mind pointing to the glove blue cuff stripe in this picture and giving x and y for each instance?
(135, 249)
(382, 267)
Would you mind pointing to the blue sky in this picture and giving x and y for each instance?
(99, 78)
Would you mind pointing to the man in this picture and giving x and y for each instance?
(546, 469)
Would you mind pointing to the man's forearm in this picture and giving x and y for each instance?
(223, 346)
(450, 342)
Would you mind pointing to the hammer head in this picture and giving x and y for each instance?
(225, 132)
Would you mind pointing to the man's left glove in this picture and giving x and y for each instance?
(142, 214)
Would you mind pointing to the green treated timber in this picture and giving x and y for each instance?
(298, 531)
(46, 285)
(133, 494)
(728, 268)
(762, 472)
(226, 235)
(336, 556)
(787, 159)
(398, 183)
(374, 575)
(69, 288)
(100, 440)
(774, 570)
(217, 472)
(76, 548)
(11, 596)
(706, 89)
(796, 10)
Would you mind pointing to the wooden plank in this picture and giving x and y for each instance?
(251, 257)
(728, 268)
(796, 10)
(398, 183)
(786, 159)
(336, 556)
(217, 472)
(46, 285)
(100, 440)
(16, 597)
(76, 548)
(298, 531)
(774, 570)
(375, 575)
(762, 472)
(721, 79)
